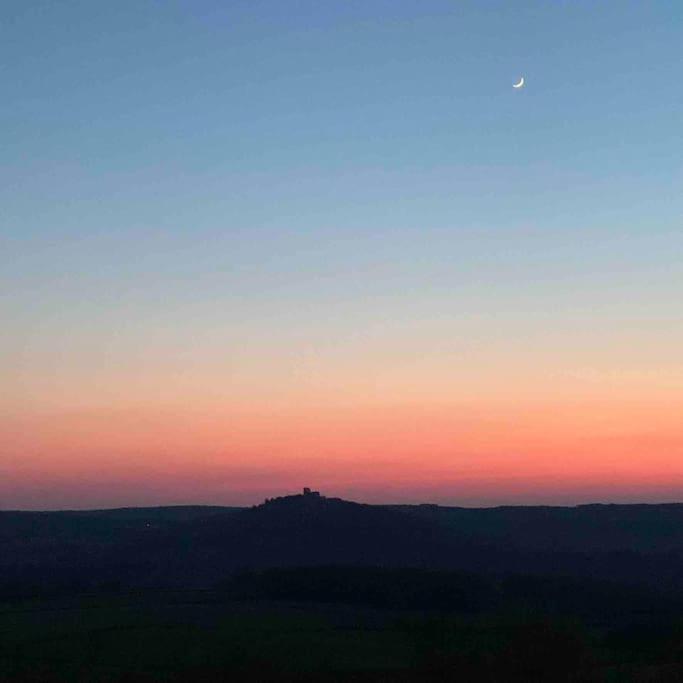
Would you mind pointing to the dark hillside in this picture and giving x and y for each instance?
(585, 528)
(195, 547)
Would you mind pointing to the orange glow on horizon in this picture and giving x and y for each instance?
(479, 452)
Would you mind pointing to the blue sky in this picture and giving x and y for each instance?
(305, 137)
(170, 112)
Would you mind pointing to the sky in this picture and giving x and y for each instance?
(251, 246)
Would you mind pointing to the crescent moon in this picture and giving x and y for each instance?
(520, 84)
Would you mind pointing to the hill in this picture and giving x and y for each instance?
(196, 547)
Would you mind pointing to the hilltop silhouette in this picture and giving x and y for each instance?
(496, 594)
(197, 546)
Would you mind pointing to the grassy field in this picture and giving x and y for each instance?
(180, 636)
(201, 636)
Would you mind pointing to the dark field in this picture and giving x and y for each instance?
(191, 636)
(205, 635)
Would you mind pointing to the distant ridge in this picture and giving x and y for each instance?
(196, 546)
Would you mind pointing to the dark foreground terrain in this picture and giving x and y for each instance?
(305, 588)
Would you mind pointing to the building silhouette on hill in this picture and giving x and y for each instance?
(308, 494)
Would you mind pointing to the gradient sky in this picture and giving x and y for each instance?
(250, 246)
